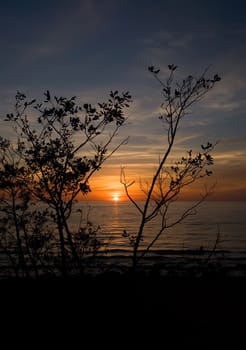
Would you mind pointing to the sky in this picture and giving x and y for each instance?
(89, 47)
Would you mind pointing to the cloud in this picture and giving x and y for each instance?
(65, 29)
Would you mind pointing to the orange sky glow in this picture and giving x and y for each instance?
(105, 185)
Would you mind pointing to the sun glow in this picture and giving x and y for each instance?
(115, 198)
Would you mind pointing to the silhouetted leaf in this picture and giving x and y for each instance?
(47, 95)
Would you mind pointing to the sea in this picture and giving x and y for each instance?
(216, 230)
(214, 233)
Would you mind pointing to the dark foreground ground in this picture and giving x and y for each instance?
(117, 311)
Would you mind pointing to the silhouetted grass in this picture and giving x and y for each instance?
(113, 307)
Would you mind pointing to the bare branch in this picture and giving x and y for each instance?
(168, 182)
(126, 186)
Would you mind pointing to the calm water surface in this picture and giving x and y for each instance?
(183, 241)
(195, 231)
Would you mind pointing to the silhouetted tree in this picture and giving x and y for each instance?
(24, 229)
(59, 146)
(168, 181)
(12, 185)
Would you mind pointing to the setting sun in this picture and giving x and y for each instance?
(115, 198)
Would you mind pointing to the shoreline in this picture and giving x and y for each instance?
(169, 263)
